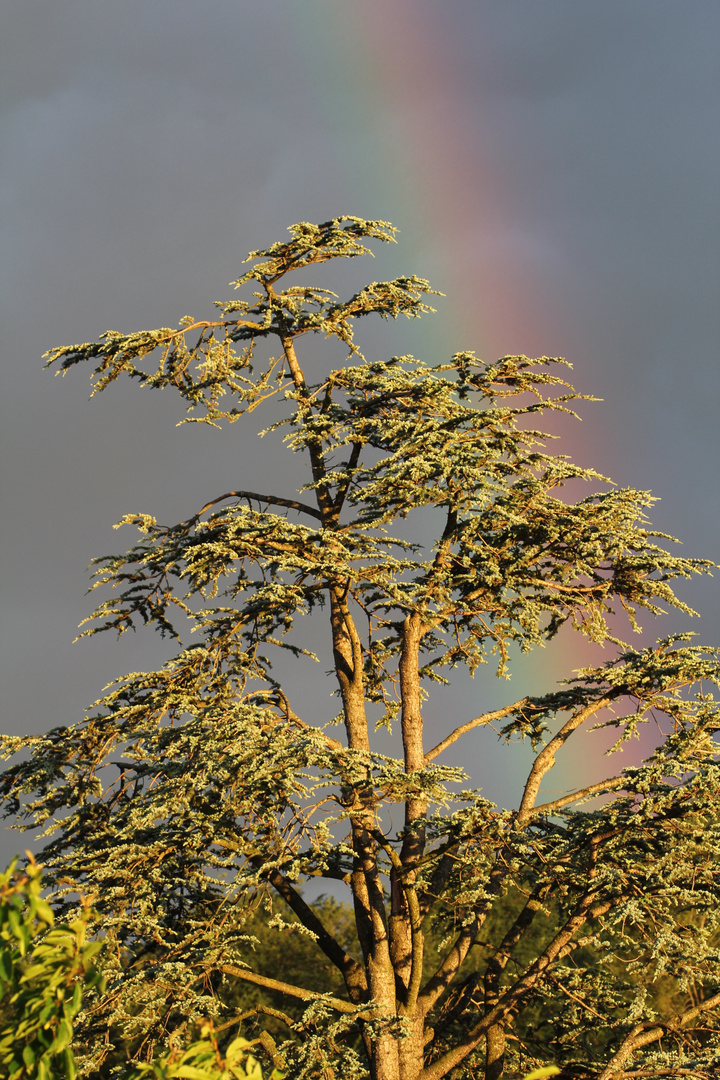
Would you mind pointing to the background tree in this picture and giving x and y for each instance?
(194, 795)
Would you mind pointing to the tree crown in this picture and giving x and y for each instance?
(192, 792)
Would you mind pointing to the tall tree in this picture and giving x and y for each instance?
(193, 795)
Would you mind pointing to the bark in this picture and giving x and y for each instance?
(412, 733)
(347, 652)
(412, 1049)
(495, 1052)
(406, 918)
(400, 933)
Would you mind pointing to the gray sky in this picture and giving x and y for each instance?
(553, 167)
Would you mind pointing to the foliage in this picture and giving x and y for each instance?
(485, 941)
(203, 1060)
(43, 970)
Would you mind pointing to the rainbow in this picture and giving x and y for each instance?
(415, 151)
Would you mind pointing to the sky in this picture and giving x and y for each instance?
(553, 167)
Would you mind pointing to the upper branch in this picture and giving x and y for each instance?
(546, 758)
(254, 496)
(486, 718)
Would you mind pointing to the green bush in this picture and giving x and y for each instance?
(43, 970)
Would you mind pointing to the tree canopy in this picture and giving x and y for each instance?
(195, 800)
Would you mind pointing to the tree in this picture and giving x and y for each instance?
(192, 796)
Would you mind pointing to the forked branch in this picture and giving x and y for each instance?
(513, 995)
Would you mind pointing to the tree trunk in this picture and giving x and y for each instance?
(385, 1063)
(495, 1053)
(412, 1048)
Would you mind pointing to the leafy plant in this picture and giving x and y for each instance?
(192, 797)
(43, 970)
(203, 1060)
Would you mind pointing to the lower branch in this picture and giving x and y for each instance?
(642, 1036)
(438, 983)
(257, 1010)
(294, 991)
(512, 996)
(352, 971)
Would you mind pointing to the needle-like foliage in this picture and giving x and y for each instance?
(580, 930)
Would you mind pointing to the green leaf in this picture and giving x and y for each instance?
(44, 911)
(237, 1050)
(34, 971)
(190, 1072)
(63, 1037)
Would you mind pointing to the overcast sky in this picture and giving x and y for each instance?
(553, 167)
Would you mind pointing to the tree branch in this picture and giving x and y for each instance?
(352, 971)
(486, 718)
(417, 939)
(317, 462)
(289, 989)
(546, 758)
(438, 983)
(512, 996)
(256, 1010)
(343, 486)
(664, 1073)
(593, 789)
(641, 1035)
(455, 1006)
(274, 500)
(281, 698)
